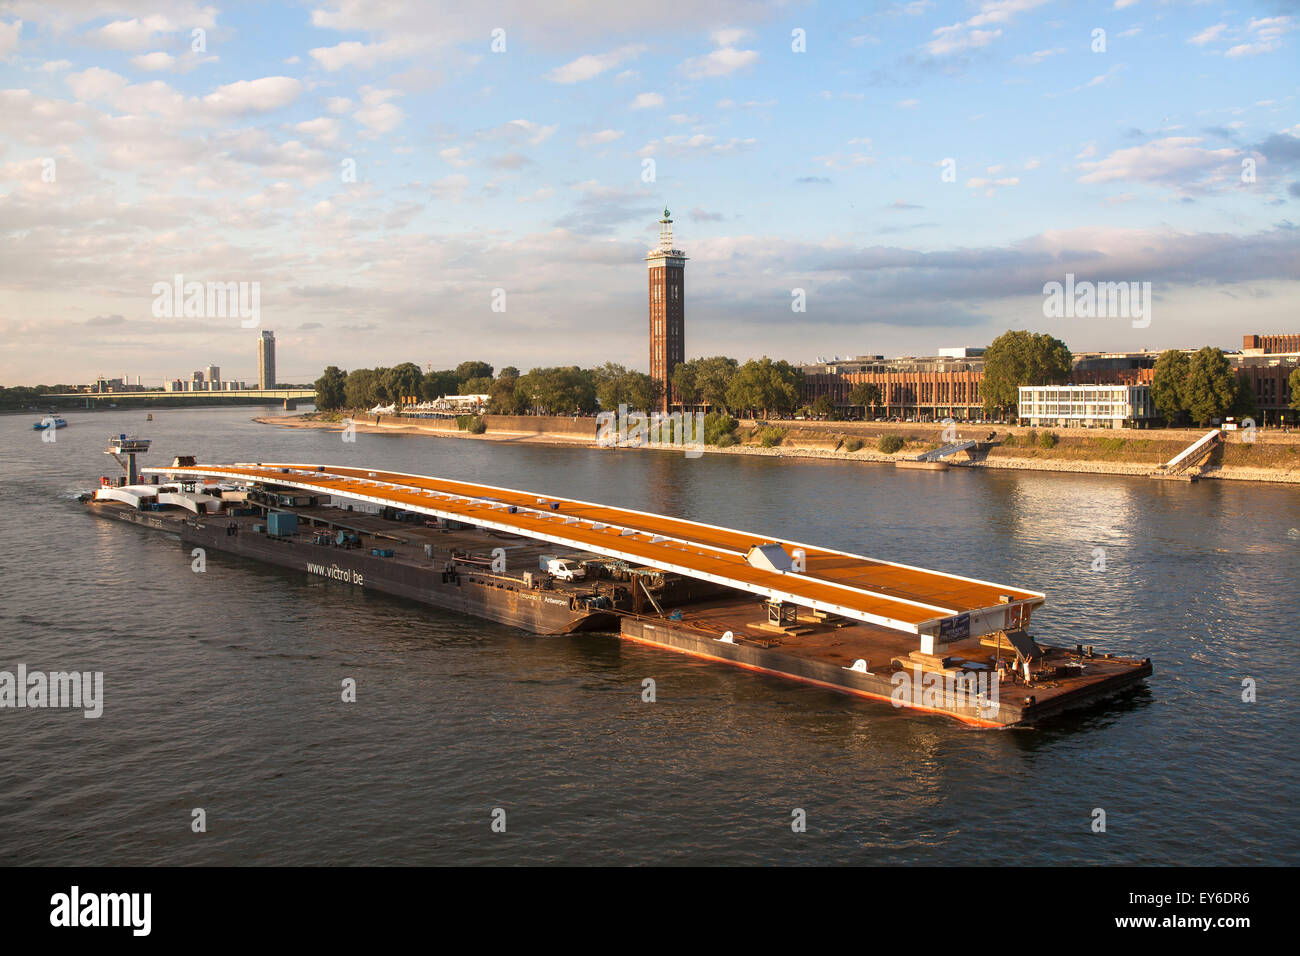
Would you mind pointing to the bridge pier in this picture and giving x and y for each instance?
(290, 405)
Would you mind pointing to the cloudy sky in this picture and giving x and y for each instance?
(381, 168)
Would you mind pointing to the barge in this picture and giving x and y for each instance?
(919, 639)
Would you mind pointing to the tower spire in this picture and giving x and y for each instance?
(666, 231)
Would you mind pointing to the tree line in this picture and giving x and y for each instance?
(1198, 388)
(1195, 388)
(760, 386)
(27, 396)
(1201, 388)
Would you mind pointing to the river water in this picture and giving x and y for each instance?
(222, 689)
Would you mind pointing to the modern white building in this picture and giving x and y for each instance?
(1086, 406)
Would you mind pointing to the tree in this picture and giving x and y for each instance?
(360, 389)
(864, 394)
(713, 377)
(643, 392)
(477, 386)
(823, 406)
(1211, 385)
(609, 382)
(685, 386)
(437, 384)
(558, 391)
(1293, 384)
(704, 381)
(506, 398)
(616, 385)
(403, 380)
(1022, 358)
(468, 370)
(765, 385)
(1245, 404)
(1169, 385)
(330, 389)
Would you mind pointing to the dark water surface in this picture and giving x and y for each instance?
(222, 689)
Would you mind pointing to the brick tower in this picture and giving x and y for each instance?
(667, 267)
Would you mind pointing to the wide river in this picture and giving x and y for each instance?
(222, 689)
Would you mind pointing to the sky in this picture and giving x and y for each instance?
(441, 181)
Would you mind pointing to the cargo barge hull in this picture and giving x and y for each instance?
(843, 622)
(468, 592)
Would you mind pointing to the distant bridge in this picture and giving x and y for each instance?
(289, 396)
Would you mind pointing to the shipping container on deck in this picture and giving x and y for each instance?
(280, 523)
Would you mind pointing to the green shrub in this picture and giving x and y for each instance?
(1048, 440)
(1031, 438)
(725, 440)
(1011, 441)
(474, 424)
(888, 444)
(771, 437)
(853, 444)
(716, 426)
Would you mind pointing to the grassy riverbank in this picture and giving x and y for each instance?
(1272, 457)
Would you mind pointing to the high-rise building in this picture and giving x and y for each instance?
(266, 360)
(667, 267)
(214, 377)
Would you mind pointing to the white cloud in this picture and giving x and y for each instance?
(153, 62)
(134, 34)
(593, 64)
(719, 63)
(681, 144)
(54, 66)
(908, 104)
(1208, 35)
(1038, 56)
(338, 105)
(364, 56)
(1265, 36)
(253, 96)
(520, 131)
(645, 101)
(455, 156)
(1177, 160)
(274, 195)
(601, 138)
(450, 187)
(9, 35)
(729, 37)
(323, 130)
(376, 114)
(836, 161)
(954, 39)
(967, 35)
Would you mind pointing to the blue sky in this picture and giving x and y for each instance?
(524, 169)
